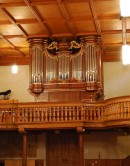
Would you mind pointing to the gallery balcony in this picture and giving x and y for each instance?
(111, 113)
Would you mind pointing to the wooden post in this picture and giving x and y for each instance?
(24, 146)
(24, 157)
(81, 146)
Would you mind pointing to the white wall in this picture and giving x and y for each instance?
(18, 83)
(106, 145)
(116, 81)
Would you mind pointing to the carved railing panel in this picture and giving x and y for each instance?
(48, 113)
(113, 110)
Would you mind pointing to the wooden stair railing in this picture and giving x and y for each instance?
(111, 112)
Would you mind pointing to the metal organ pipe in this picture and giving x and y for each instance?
(37, 64)
(91, 51)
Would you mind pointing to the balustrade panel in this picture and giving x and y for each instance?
(35, 113)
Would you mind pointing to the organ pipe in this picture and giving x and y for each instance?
(92, 47)
(36, 48)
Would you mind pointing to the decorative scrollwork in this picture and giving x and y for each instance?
(52, 46)
(75, 44)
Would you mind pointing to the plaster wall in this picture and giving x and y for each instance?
(116, 81)
(106, 145)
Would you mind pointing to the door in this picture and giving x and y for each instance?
(126, 161)
(62, 149)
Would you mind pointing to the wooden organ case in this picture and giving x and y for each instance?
(66, 70)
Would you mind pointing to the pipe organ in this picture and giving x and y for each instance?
(66, 67)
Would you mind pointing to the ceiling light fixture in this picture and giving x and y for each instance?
(14, 69)
(125, 8)
(126, 54)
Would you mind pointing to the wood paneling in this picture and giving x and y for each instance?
(11, 145)
(58, 19)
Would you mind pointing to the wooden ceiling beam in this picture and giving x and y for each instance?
(78, 18)
(26, 21)
(4, 22)
(100, 17)
(124, 30)
(112, 57)
(77, 1)
(66, 17)
(13, 21)
(11, 4)
(45, 2)
(5, 61)
(69, 34)
(108, 32)
(20, 21)
(109, 16)
(17, 4)
(13, 36)
(38, 17)
(2, 55)
(95, 17)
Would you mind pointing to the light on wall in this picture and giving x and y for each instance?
(126, 54)
(125, 8)
(14, 69)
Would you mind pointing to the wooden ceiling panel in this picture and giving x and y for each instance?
(112, 57)
(128, 23)
(49, 11)
(10, 30)
(34, 29)
(10, 1)
(81, 9)
(10, 52)
(111, 24)
(19, 42)
(2, 16)
(128, 38)
(58, 28)
(107, 49)
(25, 50)
(3, 44)
(20, 12)
(109, 7)
(84, 27)
(43, 2)
(112, 39)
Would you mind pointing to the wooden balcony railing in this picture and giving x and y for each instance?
(111, 112)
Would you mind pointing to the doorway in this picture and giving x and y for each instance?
(62, 148)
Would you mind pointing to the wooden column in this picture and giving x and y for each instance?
(24, 146)
(81, 146)
(24, 156)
